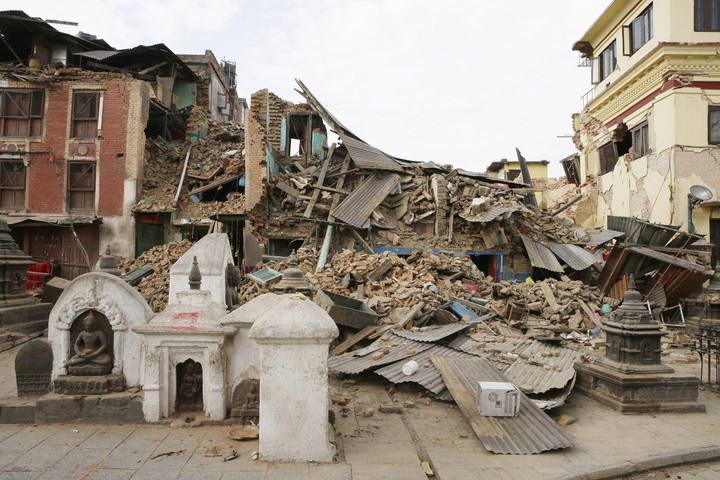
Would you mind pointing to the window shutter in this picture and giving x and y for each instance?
(596, 70)
(627, 40)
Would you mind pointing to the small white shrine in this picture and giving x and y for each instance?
(214, 254)
(185, 365)
(116, 309)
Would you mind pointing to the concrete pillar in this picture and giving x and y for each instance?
(293, 338)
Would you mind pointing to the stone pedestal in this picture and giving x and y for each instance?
(703, 311)
(631, 377)
(294, 337)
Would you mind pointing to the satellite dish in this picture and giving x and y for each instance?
(701, 193)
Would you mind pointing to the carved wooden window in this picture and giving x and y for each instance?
(21, 113)
(707, 15)
(85, 110)
(12, 185)
(714, 126)
(81, 186)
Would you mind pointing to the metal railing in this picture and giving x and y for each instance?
(589, 96)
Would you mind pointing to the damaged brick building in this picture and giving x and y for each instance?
(74, 117)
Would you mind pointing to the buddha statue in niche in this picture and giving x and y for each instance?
(91, 345)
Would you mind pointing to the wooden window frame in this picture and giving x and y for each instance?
(707, 11)
(603, 167)
(601, 61)
(644, 130)
(34, 116)
(18, 190)
(85, 190)
(75, 120)
(648, 12)
(713, 109)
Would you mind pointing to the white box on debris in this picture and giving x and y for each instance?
(498, 399)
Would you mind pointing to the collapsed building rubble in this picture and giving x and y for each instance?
(155, 286)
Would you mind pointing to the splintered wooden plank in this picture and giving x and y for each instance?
(321, 180)
(530, 431)
(354, 339)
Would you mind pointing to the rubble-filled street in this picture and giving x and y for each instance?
(350, 240)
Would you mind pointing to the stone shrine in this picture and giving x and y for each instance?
(33, 364)
(94, 348)
(19, 312)
(185, 362)
(631, 377)
(214, 255)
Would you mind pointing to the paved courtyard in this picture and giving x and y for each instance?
(432, 436)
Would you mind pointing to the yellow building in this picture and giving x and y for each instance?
(650, 125)
(510, 170)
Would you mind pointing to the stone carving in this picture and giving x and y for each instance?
(246, 402)
(233, 277)
(91, 301)
(91, 350)
(100, 385)
(33, 365)
(189, 386)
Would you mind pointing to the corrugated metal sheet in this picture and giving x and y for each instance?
(541, 256)
(665, 258)
(318, 107)
(355, 210)
(534, 367)
(598, 237)
(353, 362)
(368, 157)
(427, 375)
(491, 214)
(434, 333)
(530, 431)
(576, 257)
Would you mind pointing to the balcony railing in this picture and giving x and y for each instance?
(589, 96)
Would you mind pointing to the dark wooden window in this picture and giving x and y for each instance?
(640, 140)
(608, 157)
(605, 64)
(85, 114)
(707, 15)
(21, 113)
(641, 30)
(714, 126)
(12, 185)
(81, 186)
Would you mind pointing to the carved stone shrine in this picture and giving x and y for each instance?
(631, 377)
(95, 350)
(33, 364)
(19, 312)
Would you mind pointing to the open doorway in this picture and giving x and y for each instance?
(189, 396)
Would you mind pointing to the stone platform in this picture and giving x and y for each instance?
(28, 318)
(634, 392)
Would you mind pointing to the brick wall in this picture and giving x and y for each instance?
(264, 124)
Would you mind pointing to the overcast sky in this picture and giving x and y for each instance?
(461, 82)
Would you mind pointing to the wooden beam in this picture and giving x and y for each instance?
(354, 339)
(361, 241)
(321, 180)
(182, 177)
(153, 68)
